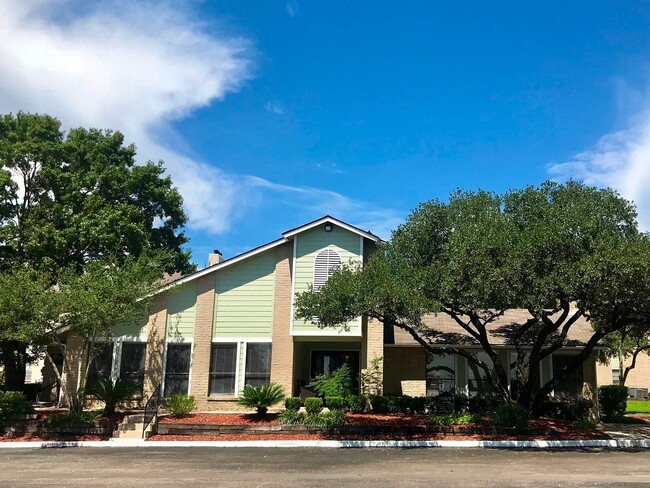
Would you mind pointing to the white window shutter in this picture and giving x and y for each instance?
(326, 263)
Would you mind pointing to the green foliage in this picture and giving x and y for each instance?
(338, 384)
(356, 403)
(585, 424)
(14, 403)
(372, 379)
(575, 409)
(613, 401)
(86, 418)
(313, 405)
(455, 419)
(481, 253)
(478, 404)
(326, 420)
(181, 405)
(291, 417)
(261, 397)
(335, 403)
(399, 404)
(510, 416)
(111, 392)
(293, 404)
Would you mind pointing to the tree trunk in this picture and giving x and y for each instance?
(14, 360)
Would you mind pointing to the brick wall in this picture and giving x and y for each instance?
(372, 344)
(157, 327)
(282, 363)
(200, 372)
(405, 371)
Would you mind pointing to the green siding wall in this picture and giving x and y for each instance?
(309, 244)
(181, 312)
(134, 330)
(245, 295)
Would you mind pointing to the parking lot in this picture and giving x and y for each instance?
(305, 467)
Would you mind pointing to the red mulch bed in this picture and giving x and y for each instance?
(222, 419)
(55, 438)
(559, 429)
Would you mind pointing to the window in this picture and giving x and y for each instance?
(571, 387)
(441, 373)
(177, 369)
(326, 263)
(477, 382)
(222, 369)
(258, 364)
(102, 364)
(132, 363)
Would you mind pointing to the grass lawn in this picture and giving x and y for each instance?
(638, 406)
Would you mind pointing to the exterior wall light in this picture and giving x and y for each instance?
(328, 227)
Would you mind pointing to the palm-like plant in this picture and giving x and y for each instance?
(111, 392)
(261, 397)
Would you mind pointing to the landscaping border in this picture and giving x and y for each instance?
(343, 444)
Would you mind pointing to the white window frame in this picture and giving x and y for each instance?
(177, 340)
(240, 365)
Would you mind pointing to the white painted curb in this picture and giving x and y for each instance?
(540, 444)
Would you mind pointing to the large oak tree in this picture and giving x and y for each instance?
(67, 200)
(561, 252)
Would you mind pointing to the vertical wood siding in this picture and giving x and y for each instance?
(181, 312)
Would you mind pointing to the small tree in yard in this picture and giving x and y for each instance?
(91, 304)
(627, 345)
(544, 249)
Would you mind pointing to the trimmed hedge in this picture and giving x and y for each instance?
(313, 405)
(293, 404)
(14, 403)
(613, 401)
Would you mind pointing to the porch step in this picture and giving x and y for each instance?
(131, 428)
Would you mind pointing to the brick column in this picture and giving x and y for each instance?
(372, 343)
(157, 327)
(203, 325)
(282, 348)
(590, 384)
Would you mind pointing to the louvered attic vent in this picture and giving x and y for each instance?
(326, 263)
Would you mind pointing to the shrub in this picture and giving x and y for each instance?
(111, 392)
(574, 410)
(291, 417)
(510, 415)
(613, 401)
(325, 420)
(339, 383)
(335, 403)
(14, 403)
(313, 405)
(293, 403)
(455, 419)
(372, 379)
(585, 424)
(261, 397)
(480, 404)
(86, 418)
(356, 403)
(181, 405)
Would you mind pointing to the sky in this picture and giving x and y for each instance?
(269, 114)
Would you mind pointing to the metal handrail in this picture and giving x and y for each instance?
(151, 410)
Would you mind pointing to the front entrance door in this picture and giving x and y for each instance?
(326, 362)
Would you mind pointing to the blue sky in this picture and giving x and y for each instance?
(270, 114)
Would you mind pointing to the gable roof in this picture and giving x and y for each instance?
(328, 218)
(287, 236)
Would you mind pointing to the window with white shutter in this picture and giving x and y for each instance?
(326, 263)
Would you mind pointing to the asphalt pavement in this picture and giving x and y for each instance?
(312, 467)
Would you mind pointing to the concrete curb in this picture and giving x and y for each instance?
(539, 444)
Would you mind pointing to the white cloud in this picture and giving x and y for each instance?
(292, 7)
(315, 202)
(137, 67)
(620, 160)
(132, 66)
(274, 108)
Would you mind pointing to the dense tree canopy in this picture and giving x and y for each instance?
(70, 200)
(560, 252)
